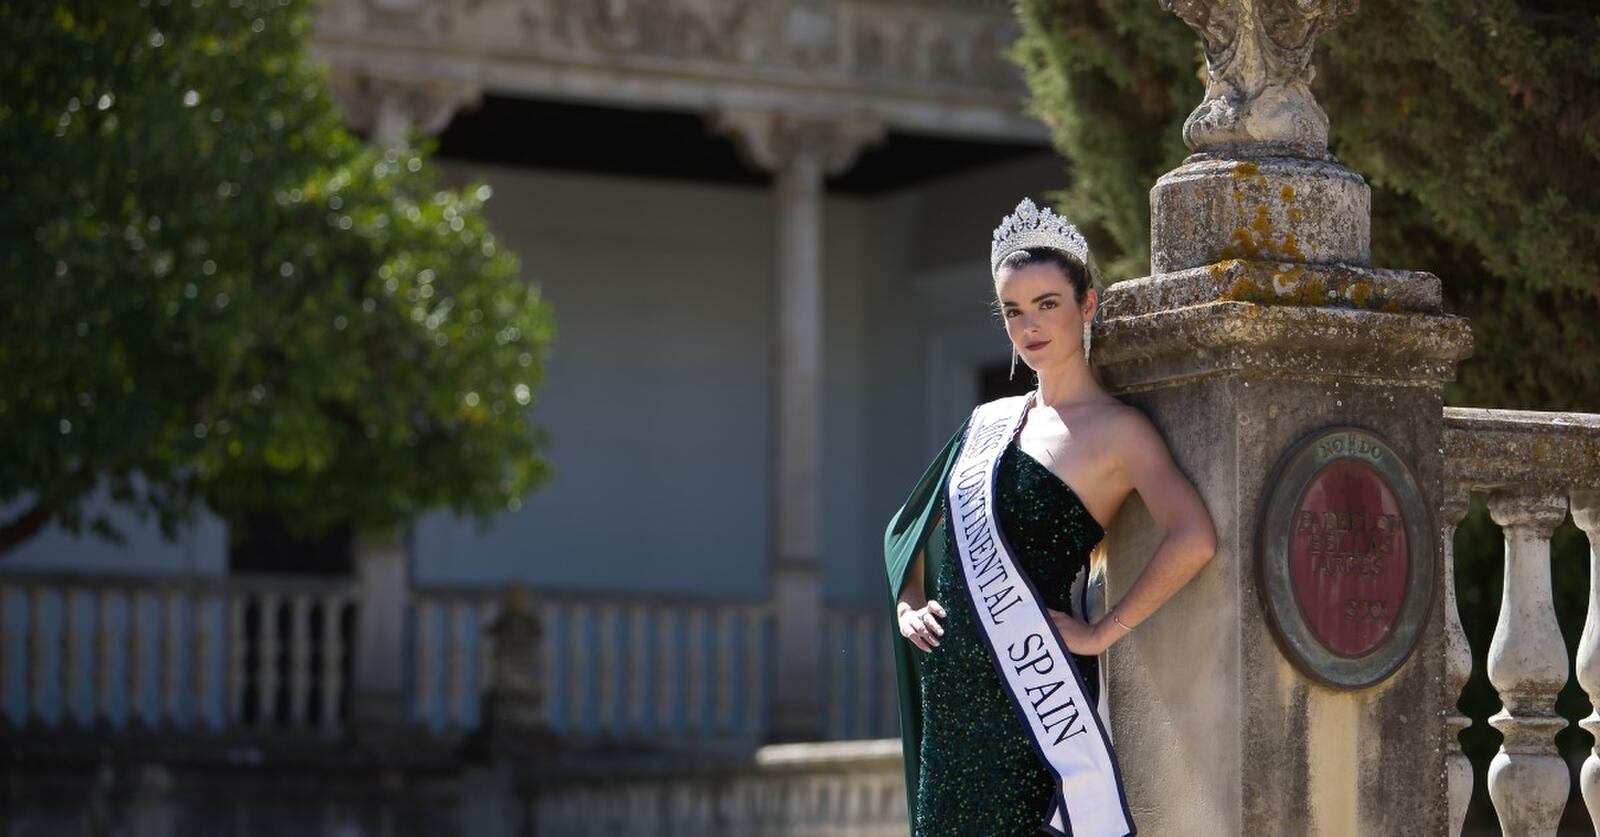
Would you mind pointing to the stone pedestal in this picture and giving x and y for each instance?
(1261, 324)
(1217, 732)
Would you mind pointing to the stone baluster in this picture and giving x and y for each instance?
(71, 657)
(695, 693)
(1586, 513)
(237, 657)
(332, 661)
(138, 660)
(456, 666)
(266, 659)
(425, 634)
(203, 674)
(638, 662)
(755, 646)
(300, 674)
(610, 639)
(171, 704)
(723, 634)
(105, 647)
(1457, 661)
(578, 654)
(1528, 780)
(38, 652)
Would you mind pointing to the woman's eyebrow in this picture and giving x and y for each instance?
(1006, 303)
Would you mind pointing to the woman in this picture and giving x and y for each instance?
(1000, 692)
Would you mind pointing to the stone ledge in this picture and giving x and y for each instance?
(1555, 453)
(1276, 283)
(1375, 347)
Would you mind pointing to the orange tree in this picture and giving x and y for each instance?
(212, 293)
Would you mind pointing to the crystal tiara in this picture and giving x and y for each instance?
(1030, 226)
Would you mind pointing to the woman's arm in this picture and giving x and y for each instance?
(919, 618)
(1189, 538)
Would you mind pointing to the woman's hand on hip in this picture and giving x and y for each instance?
(1081, 637)
(920, 625)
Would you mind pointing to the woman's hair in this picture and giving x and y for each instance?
(1075, 272)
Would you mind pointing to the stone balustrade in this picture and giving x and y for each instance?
(1531, 467)
(245, 653)
(240, 654)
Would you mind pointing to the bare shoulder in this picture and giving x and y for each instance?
(1130, 435)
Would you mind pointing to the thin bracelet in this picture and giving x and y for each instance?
(1119, 622)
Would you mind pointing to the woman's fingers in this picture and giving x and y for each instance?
(936, 609)
(914, 626)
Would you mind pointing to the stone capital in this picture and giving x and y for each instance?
(785, 143)
(388, 109)
(1258, 61)
(1535, 511)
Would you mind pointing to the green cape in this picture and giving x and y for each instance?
(912, 530)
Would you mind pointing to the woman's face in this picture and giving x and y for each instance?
(1044, 318)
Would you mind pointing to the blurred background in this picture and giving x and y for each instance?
(426, 416)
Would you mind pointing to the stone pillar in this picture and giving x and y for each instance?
(387, 111)
(1261, 324)
(799, 153)
(378, 684)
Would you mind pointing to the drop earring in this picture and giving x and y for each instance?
(1013, 375)
(1087, 332)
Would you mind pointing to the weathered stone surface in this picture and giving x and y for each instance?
(1275, 283)
(1328, 346)
(1258, 62)
(933, 66)
(1537, 451)
(1213, 208)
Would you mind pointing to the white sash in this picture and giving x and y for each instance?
(1040, 677)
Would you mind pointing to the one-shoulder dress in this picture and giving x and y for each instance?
(978, 771)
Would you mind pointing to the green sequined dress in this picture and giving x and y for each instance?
(979, 773)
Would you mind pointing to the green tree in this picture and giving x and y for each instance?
(1477, 123)
(211, 292)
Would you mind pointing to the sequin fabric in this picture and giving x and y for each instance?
(980, 775)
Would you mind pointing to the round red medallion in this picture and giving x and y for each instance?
(1348, 558)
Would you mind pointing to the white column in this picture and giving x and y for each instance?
(1586, 513)
(1527, 665)
(800, 153)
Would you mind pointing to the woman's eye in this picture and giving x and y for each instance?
(1012, 312)
(1047, 304)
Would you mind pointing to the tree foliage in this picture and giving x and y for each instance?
(1477, 123)
(211, 292)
